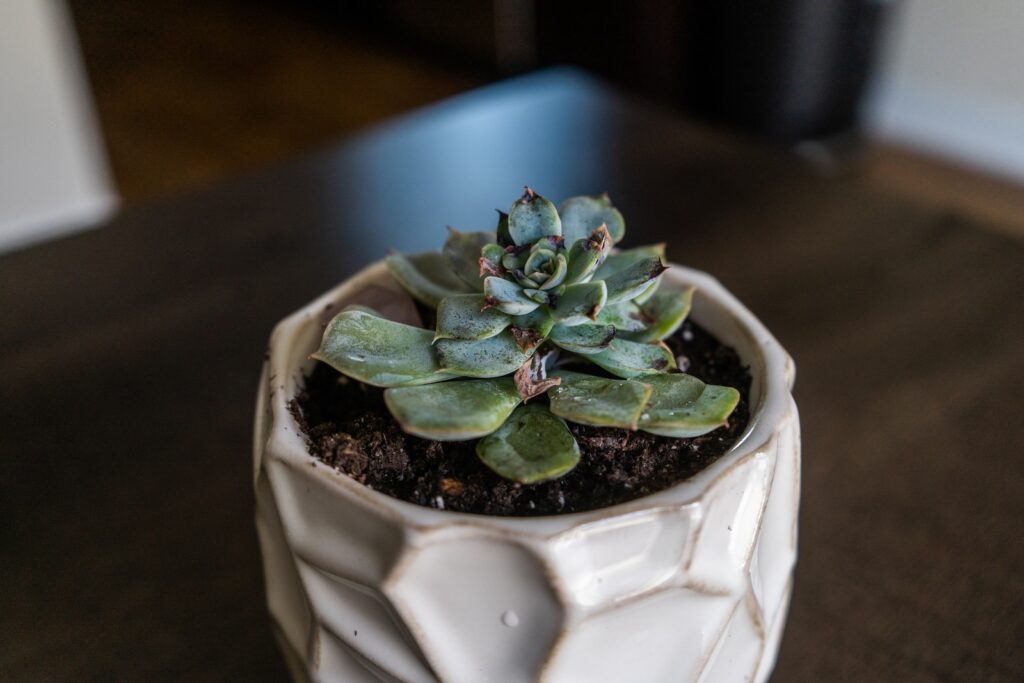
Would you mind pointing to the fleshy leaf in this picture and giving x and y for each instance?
(541, 296)
(623, 258)
(585, 339)
(631, 359)
(464, 316)
(514, 258)
(599, 401)
(533, 217)
(582, 215)
(489, 262)
(682, 406)
(587, 254)
(453, 411)
(532, 446)
(427, 277)
(666, 311)
(537, 259)
(558, 275)
(580, 303)
(625, 316)
(364, 309)
(538, 321)
(493, 357)
(507, 296)
(647, 293)
(635, 278)
(380, 352)
(462, 253)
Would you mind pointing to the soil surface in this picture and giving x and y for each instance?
(349, 428)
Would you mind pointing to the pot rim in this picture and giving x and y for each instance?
(772, 370)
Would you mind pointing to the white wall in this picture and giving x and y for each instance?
(53, 173)
(952, 81)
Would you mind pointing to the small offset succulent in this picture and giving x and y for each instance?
(525, 312)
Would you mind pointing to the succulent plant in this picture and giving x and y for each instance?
(544, 305)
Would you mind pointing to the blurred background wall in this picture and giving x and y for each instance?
(923, 97)
(53, 171)
(950, 81)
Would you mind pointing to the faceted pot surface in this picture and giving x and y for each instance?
(691, 583)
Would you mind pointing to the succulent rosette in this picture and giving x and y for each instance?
(538, 322)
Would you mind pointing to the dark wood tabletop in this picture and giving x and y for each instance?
(129, 358)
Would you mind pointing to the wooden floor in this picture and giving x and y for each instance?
(190, 93)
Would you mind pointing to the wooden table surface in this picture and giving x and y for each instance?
(129, 360)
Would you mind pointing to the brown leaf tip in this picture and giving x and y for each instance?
(487, 267)
(528, 195)
(531, 378)
(489, 302)
(598, 239)
(526, 338)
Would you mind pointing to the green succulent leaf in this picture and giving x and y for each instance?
(624, 258)
(647, 293)
(492, 357)
(585, 339)
(541, 296)
(364, 309)
(537, 259)
(625, 316)
(538, 320)
(580, 303)
(489, 262)
(533, 217)
(682, 406)
(427, 277)
(631, 359)
(558, 273)
(599, 401)
(586, 255)
(464, 316)
(514, 259)
(634, 279)
(507, 296)
(532, 446)
(453, 411)
(667, 311)
(462, 253)
(582, 215)
(380, 352)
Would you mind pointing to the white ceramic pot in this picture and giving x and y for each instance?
(689, 584)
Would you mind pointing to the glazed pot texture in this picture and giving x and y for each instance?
(691, 583)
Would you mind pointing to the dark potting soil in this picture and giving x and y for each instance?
(348, 427)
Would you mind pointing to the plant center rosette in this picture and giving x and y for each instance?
(539, 322)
